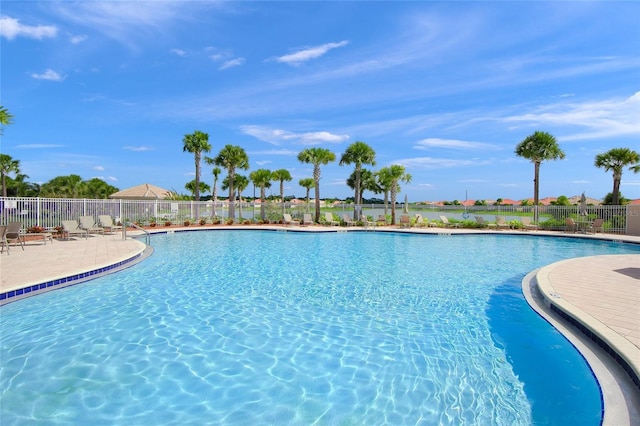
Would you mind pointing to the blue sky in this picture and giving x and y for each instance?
(447, 89)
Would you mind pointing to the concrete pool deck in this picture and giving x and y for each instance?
(597, 294)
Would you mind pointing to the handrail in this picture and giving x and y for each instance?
(147, 235)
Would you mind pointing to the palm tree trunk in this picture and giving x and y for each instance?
(536, 190)
(616, 189)
(393, 205)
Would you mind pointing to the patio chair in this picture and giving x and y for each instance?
(3, 240)
(596, 225)
(570, 225)
(306, 219)
(348, 221)
(108, 224)
(420, 222)
(367, 222)
(480, 220)
(405, 221)
(501, 223)
(287, 220)
(89, 224)
(527, 224)
(448, 224)
(71, 227)
(382, 220)
(328, 218)
(13, 234)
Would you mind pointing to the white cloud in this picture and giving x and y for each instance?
(599, 119)
(178, 52)
(263, 163)
(49, 74)
(98, 168)
(11, 28)
(78, 39)
(112, 178)
(278, 136)
(436, 163)
(287, 152)
(138, 148)
(309, 53)
(38, 146)
(451, 143)
(232, 63)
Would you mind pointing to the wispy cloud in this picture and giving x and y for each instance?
(98, 168)
(278, 136)
(232, 63)
(287, 152)
(38, 146)
(437, 163)
(49, 74)
(138, 148)
(178, 52)
(78, 39)
(599, 119)
(107, 178)
(429, 143)
(309, 53)
(11, 28)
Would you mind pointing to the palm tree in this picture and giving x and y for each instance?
(232, 157)
(281, 175)
(615, 160)
(383, 184)
(539, 147)
(5, 118)
(317, 157)
(191, 186)
(196, 143)
(307, 183)
(262, 179)
(7, 165)
(358, 153)
(394, 174)
(240, 182)
(71, 186)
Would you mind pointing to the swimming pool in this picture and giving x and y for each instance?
(243, 327)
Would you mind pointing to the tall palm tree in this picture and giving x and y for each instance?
(366, 177)
(539, 147)
(5, 117)
(241, 183)
(307, 184)
(393, 175)
(616, 160)
(317, 157)
(7, 165)
(232, 157)
(281, 175)
(262, 179)
(358, 153)
(196, 143)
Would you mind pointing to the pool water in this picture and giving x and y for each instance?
(262, 328)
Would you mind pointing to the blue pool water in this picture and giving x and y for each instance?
(262, 328)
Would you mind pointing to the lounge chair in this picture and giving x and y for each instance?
(3, 240)
(306, 219)
(527, 224)
(501, 223)
(348, 221)
(480, 220)
(420, 222)
(13, 234)
(328, 218)
(71, 227)
(596, 225)
(448, 224)
(405, 221)
(107, 223)
(286, 218)
(366, 222)
(382, 220)
(88, 224)
(570, 225)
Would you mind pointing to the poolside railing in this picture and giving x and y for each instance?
(50, 212)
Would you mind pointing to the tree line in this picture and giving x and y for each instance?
(537, 148)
